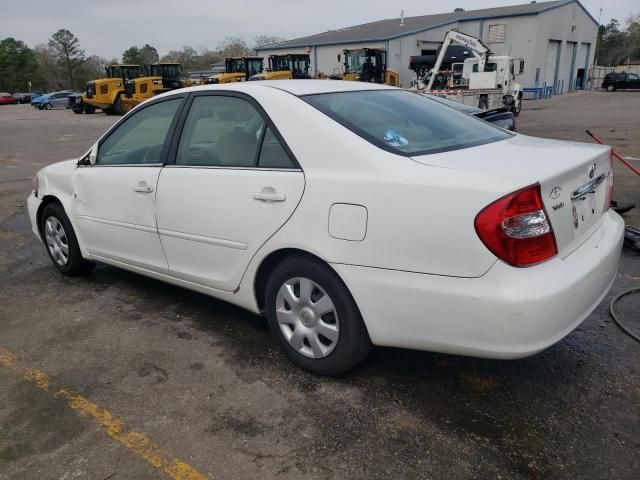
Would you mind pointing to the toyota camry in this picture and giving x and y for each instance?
(349, 214)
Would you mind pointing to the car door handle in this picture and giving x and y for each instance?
(270, 197)
(142, 187)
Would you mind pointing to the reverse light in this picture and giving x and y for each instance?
(516, 228)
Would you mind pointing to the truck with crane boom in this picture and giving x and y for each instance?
(486, 81)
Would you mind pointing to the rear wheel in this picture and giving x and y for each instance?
(48, 106)
(483, 104)
(314, 318)
(611, 88)
(61, 242)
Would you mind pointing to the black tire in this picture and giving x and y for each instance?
(117, 106)
(48, 106)
(89, 109)
(353, 344)
(75, 264)
(483, 104)
(109, 111)
(517, 107)
(77, 109)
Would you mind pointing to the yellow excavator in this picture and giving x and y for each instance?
(368, 65)
(159, 78)
(285, 67)
(106, 93)
(237, 69)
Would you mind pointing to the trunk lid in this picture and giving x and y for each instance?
(574, 178)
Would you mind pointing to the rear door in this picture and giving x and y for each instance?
(232, 185)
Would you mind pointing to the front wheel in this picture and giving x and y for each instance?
(517, 107)
(48, 106)
(117, 106)
(314, 318)
(611, 88)
(61, 242)
(89, 109)
(483, 104)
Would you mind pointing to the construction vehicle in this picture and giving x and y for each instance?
(159, 78)
(285, 67)
(237, 69)
(367, 65)
(105, 93)
(486, 81)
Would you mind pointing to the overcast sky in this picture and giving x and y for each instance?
(108, 27)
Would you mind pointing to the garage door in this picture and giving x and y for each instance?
(550, 64)
(582, 60)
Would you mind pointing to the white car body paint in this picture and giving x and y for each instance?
(420, 275)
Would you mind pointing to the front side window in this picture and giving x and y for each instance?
(222, 131)
(404, 122)
(139, 139)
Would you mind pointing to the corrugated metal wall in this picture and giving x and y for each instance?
(527, 37)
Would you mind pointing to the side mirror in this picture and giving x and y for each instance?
(521, 67)
(89, 158)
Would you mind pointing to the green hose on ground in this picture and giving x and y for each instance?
(615, 316)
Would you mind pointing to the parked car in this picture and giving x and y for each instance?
(22, 97)
(36, 99)
(55, 100)
(7, 99)
(501, 117)
(394, 221)
(621, 81)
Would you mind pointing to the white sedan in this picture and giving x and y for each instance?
(351, 214)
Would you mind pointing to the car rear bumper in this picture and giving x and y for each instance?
(507, 313)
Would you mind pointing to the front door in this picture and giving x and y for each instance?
(114, 200)
(233, 185)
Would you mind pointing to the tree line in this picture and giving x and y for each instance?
(617, 46)
(62, 64)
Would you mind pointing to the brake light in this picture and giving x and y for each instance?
(516, 228)
(609, 195)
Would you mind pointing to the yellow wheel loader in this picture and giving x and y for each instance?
(368, 65)
(159, 78)
(106, 93)
(285, 67)
(237, 69)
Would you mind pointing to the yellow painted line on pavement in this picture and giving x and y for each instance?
(135, 442)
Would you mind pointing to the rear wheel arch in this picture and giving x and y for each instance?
(268, 264)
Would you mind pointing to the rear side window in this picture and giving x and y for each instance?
(405, 123)
(223, 131)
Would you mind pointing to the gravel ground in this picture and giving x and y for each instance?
(204, 382)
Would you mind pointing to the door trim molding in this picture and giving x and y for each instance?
(220, 242)
(132, 226)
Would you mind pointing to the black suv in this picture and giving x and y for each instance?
(621, 81)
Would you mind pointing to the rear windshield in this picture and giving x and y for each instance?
(404, 122)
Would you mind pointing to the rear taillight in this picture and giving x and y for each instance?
(609, 195)
(516, 228)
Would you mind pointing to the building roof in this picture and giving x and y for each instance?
(391, 28)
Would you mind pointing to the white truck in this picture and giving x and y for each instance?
(486, 81)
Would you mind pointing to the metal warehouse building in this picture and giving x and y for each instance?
(556, 40)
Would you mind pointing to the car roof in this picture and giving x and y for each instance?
(295, 87)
